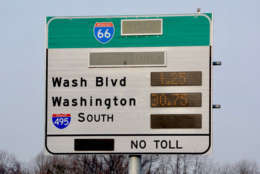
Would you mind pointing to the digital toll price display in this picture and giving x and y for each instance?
(175, 99)
(176, 121)
(176, 78)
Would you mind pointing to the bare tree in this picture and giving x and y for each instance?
(199, 164)
(185, 164)
(41, 163)
(9, 164)
(99, 164)
(148, 163)
(165, 165)
(49, 164)
(224, 169)
(118, 164)
(246, 167)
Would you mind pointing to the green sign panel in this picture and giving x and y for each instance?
(77, 32)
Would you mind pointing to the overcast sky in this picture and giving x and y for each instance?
(236, 83)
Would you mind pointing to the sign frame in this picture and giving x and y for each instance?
(107, 135)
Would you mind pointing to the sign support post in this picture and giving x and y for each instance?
(134, 165)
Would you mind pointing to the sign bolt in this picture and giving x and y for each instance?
(216, 106)
(217, 63)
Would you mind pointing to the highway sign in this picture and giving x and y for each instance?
(129, 84)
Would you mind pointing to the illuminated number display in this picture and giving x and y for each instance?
(176, 121)
(193, 78)
(176, 100)
(141, 27)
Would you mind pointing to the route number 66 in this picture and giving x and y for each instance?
(105, 34)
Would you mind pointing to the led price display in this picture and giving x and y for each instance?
(175, 99)
(176, 121)
(141, 27)
(110, 59)
(192, 78)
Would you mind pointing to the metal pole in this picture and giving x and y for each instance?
(134, 165)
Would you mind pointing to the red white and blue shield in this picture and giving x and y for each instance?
(61, 121)
(104, 31)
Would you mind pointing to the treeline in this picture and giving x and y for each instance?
(118, 164)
